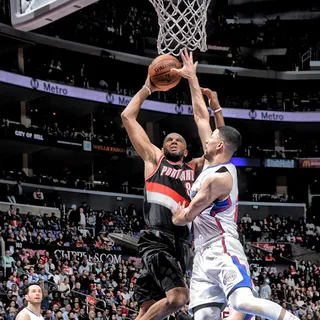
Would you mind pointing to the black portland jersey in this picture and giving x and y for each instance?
(169, 184)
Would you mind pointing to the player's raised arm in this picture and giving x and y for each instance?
(138, 137)
(200, 112)
(215, 106)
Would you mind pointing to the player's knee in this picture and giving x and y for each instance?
(241, 306)
(177, 297)
(241, 302)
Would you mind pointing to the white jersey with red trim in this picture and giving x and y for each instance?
(220, 219)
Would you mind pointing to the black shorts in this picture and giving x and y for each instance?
(165, 262)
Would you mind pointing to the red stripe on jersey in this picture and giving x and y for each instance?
(223, 242)
(160, 188)
(235, 218)
(219, 226)
(236, 213)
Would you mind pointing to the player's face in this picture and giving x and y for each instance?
(34, 295)
(174, 148)
(213, 145)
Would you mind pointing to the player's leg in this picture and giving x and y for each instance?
(243, 300)
(235, 315)
(144, 308)
(207, 299)
(175, 299)
(147, 290)
(171, 281)
(208, 311)
(158, 254)
(237, 285)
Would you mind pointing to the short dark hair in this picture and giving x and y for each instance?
(26, 290)
(231, 137)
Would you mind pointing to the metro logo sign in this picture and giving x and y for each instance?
(309, 163)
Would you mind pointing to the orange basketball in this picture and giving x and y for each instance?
(160, 74)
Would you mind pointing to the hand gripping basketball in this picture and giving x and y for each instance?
(160, 72)
(151, 87)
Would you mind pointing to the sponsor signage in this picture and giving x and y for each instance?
(108, 148)
(218, 48)
(29, 135)
(279, 163)
(87, 145)
(61, 253)
(120, 100)
(58, 142)
(309, 163)
(39, 138)
(269, 246)
(272, 267)
(245, 162)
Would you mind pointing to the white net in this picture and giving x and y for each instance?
(182, 24)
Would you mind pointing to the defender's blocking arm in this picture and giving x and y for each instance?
(200, 112)
(213, 188)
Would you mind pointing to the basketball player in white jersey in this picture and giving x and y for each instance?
(33, 295)
(220, 268)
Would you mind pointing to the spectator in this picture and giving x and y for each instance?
(66, 312)
(38, 197)
(8, 262)
(9, 194)
(82, 215)
(18, 193)
(246, 219)
(265, 290)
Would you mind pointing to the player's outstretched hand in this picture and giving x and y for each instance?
(179, 214)
(212, 97)
(189, 69)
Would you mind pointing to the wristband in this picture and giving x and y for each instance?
(215, 111)
(145, 86)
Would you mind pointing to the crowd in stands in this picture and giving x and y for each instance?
(78, 72)
(114, 25)
(129, 26)
(84, 286)
(79, 226)
(275, 229)
(66, 179)
(112, 135)
(295, 288)
(76, 286)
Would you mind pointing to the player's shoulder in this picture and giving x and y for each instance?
(217, 177)
(23, 314)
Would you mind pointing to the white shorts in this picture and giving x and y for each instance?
(217, 270)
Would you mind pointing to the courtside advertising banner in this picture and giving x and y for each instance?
(309, 163)
(121, 100)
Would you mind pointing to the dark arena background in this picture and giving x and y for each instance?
(71, 184)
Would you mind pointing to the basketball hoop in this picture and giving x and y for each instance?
(182, 24)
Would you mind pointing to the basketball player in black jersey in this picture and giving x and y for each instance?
(164, 247)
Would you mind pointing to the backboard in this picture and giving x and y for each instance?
(27, 15)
